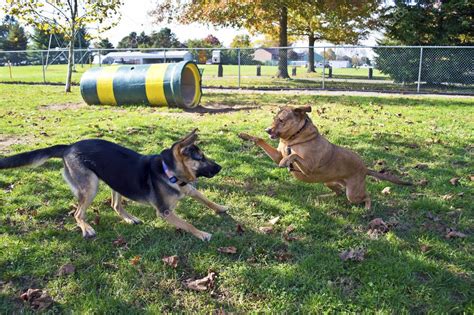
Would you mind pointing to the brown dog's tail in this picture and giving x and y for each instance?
(388, 177)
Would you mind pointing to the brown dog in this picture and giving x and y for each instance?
(313, 159)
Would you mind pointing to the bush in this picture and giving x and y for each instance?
(439, 66)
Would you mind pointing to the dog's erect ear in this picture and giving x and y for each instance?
(189, 139)
(303, 109)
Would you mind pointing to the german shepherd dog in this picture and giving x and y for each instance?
(311, 158)
(158, 180)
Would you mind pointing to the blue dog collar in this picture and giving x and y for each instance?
(171, 177)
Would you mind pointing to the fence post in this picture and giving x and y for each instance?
(324, 64)
(238, 60)
(419, 70)
(100, 61)
(42, 65)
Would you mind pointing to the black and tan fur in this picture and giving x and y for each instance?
(141, 178)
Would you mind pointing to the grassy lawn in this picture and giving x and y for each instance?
(411, 268)
(57, 73)
(343, 79)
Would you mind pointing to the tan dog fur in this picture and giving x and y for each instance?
(314, 159)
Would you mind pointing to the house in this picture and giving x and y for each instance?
(137, 57)
(266, 55)
(270, 56)
(340, 63)
(301, 59)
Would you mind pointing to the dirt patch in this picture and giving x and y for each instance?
(70, 106)
(7, 141)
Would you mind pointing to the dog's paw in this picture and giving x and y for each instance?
(221, 209)
(132, 220)
(285, 162)
(246, 136)
(88, 233)
(204, 236)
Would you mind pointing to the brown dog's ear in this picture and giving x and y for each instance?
(303, 109)
(189, 138)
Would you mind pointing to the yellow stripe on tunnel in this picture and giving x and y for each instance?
(155, 90)
(197, 77)
(105, 85)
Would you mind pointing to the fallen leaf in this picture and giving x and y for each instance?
(227, 250)
(66, 269)
(430, 216)
(424, 248)
(135, 260)
(38, 299)
(451, 233)
(422, 182)
(239, 230)
(289, 229)
(471, 177)
(266, 229)
(97, 219)
(287, 234)
(351, 254)
(274, 220)
(447, 197)
(386, 191)
(171, 261)
(120, 242)
(202, 284)
(381, 163)
(378, 224)
(454, 181)
(282, 255)
(421, 166)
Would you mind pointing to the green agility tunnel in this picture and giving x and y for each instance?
(165, 84)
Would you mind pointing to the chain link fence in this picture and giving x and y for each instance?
(427, 69)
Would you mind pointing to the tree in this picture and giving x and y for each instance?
(340, 21)
(428, 22)
(329, 54)
(129, 41)
(212, 40)
(241, 41)
(41, 39)
(13, 37)
(104, 43)
(203, 55)
(143, 40)
(65, 17)
(165, 38)
(264, 16)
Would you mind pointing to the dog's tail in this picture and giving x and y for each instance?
(388, 177)
(33, 158)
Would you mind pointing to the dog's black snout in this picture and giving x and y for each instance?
(210, 170)
(268, 130)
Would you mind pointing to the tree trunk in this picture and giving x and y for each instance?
(283, 54)
(311, 41)
(70, 62)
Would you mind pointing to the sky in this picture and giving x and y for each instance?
(135, 18)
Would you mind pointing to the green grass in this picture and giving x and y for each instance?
(37, 236)
(57, 73)
(343, 79)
